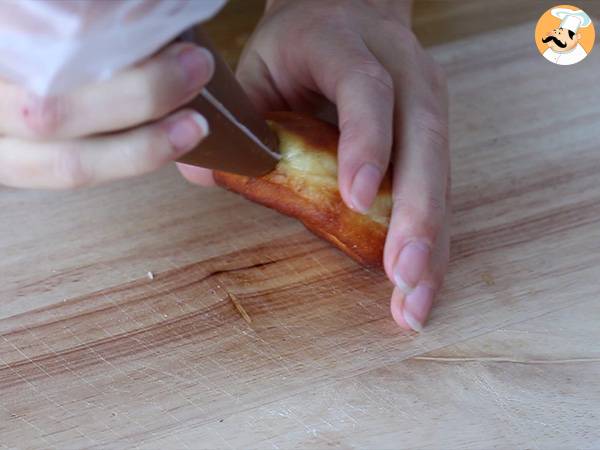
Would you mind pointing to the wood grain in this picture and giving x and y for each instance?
(438, 21)
(95, 354)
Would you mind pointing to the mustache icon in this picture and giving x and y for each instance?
(555, 40)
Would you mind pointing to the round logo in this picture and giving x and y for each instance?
(565, 35)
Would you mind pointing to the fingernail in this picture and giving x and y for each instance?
(417, 305)
(365, 186)
(186, 131)
(411, 264)
(198, 65)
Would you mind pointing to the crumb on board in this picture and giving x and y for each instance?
(150, 275)
(239, 307)
(488, 279)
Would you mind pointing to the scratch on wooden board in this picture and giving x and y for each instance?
(39, 392)
(32, 333)
(239, 307)
(502, 359)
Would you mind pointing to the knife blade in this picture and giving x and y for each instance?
(240, 140)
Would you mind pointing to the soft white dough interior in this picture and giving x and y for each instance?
(314, 174)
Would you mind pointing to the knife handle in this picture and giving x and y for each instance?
(226, 148)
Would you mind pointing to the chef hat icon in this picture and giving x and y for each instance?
(570, 19)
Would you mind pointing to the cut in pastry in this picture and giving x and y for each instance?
(304, 185)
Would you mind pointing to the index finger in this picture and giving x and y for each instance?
(137, 95)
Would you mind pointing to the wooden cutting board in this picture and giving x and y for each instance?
(95, 353)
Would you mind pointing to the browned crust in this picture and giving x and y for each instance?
(357, 235)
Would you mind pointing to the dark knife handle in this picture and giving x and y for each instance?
(226, 148)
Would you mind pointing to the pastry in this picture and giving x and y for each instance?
(304, 185)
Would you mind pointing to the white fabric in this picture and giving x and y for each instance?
(566, 58)
(571, 23)
(570, 19)
(51, 46)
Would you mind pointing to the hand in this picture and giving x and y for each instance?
(107, 130)
(391, 101)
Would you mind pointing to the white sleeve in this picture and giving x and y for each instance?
(52, 46)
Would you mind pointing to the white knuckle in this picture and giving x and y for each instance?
(374, 72)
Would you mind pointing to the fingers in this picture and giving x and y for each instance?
(138, 95)
(388, 93)
(420, 193)
(349, 75)
(90, 161)
(419, 205)
(365, 101)
(410, 311)
(197, 175)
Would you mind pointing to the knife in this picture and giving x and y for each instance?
(240, 140)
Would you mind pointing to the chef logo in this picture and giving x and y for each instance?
(565, 35)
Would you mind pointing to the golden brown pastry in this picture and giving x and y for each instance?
(304, 185)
